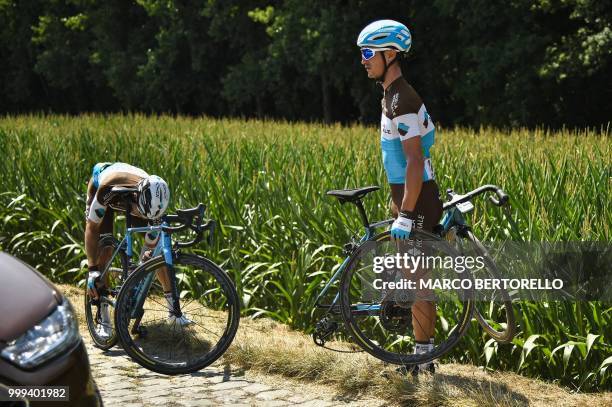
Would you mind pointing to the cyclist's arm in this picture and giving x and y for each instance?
(410, 136)
(92, 235)
(92, 230)
(414, 172)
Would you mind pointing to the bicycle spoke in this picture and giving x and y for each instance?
(187, 304)
(149, 321)
(188, 346)
(207, 330)
(161, 305)
(181, 344)
(201, 316)
(156, 310)
(386, 322)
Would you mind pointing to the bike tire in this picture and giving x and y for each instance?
(405, 359)
(507, 334)
(122, 315)
(92, 311)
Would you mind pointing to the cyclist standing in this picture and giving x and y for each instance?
(147, 204)
(407, 134)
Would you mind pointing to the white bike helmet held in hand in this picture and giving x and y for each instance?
(153, 196)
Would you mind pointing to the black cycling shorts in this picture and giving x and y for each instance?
(109, 215)
(428, 208)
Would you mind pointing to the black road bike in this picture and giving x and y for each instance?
(381, 321)
(174, 313)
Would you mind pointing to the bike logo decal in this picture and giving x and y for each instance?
(403, 128)
(429, 172)
(394, 103)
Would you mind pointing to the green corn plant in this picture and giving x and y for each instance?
(280, 237)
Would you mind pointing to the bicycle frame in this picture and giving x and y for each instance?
(452, 217)
(163, 246)
(369, 234)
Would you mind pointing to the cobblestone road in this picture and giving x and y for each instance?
(126, 384)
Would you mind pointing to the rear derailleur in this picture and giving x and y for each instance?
(324, 329)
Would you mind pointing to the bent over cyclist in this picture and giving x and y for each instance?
(148, 203)
(406, 134)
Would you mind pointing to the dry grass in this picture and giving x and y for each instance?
(270, 348)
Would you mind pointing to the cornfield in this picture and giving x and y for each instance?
(280, 237)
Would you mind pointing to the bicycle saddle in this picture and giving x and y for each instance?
(351, 195)
(123, 190)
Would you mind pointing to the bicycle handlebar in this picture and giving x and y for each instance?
(191, 219)
(501, 200)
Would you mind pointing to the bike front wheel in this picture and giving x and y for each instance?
(177, 337)
(496, 314)
(384, 319)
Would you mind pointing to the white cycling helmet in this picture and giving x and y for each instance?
(153, 196)
(385, 34)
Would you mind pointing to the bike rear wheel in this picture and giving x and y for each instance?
(154, 334)
(382, 323)
(99, 313)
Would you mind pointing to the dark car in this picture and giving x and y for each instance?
(40, 344)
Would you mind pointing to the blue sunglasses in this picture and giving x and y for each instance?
(368, 53)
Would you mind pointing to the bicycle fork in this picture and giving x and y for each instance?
(167, 250)
(140, 294)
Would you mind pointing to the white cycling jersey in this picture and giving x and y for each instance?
(404, 116)
(105, 176)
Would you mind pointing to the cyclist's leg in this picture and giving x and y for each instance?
(163, 275)
(106, 225)
(428, 211)
(99, 315)
(164, 278)
(173, 304)
(150, 241)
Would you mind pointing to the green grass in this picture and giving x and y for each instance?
(280, 237)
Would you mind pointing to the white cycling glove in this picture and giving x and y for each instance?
(402, 227)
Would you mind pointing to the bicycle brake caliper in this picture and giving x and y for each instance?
(350, 247)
